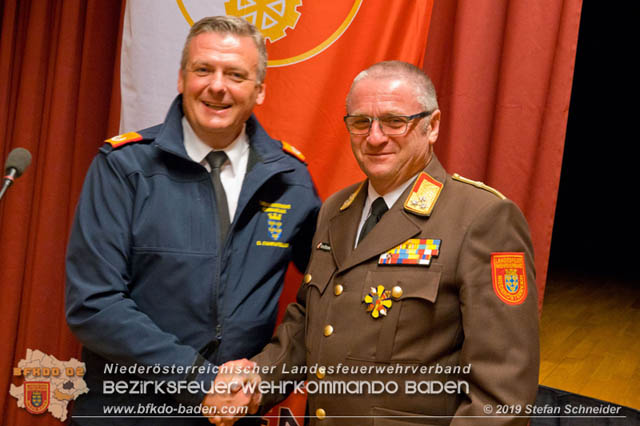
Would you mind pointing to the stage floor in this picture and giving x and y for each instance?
(590, 336)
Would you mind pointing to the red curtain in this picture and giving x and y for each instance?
(57, 63)
(503, 71)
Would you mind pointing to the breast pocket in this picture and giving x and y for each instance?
(400, 335)
(319, 274)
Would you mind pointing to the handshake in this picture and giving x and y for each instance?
(230, 398)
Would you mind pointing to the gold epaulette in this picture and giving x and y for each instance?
(124, 139)
(478, 184)
(290, 149)
(352, 197)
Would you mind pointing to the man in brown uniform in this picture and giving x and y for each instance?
(428, 317)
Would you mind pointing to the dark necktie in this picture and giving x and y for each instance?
(216, 159)
(378, 208)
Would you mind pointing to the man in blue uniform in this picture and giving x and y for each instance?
(182, 237)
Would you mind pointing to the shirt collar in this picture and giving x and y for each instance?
(389, 198)
(197, 150)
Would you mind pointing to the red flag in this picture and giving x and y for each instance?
(312, 65)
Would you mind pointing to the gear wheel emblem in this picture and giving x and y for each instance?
(271, 17)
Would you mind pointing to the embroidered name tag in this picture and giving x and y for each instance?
(416, 251)
(323, 246)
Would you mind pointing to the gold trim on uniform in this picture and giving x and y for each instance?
(423, 196)
(338, 289)
(396, 292)
(478, 184)
(352, 197)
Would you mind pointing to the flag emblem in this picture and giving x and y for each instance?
(509, 277)
(275, 213)
(36, 397)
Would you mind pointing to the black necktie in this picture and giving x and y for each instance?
(216, 159)
(378, 208)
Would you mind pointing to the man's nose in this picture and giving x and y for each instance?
(217, 82)
(376, 135)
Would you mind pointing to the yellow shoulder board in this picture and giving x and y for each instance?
(478, 184)
(290, 149)
(352, 197)
(423, 195)
(124, 139)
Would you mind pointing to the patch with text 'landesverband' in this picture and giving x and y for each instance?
(509, 277)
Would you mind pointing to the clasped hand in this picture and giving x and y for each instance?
(231, 397)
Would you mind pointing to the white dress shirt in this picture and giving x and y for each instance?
(232, 171)
(389, 198)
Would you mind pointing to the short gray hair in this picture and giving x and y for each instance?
(425, 91)
(228, 25)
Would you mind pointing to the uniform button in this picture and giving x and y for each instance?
(328, 330)
(396, 292)
(321, 372)
(307, 278)
(320, 413)
(338, 289)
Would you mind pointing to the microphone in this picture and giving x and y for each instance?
(17, 161)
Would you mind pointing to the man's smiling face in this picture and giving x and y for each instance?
(219, 87)
(388, 161)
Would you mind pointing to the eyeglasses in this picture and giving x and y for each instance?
(392, 125)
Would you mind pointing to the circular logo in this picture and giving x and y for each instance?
(274, 18)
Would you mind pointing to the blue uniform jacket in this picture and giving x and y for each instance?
(148, 284)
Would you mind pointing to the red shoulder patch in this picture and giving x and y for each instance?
(124, 139)
(290, 149)
(509, 277)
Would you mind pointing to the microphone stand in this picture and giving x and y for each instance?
(7, 181)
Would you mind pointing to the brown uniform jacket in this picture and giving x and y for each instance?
(446, 326)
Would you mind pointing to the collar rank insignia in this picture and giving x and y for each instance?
(416, 251)
(423, 196)
(124, 139)
(378, 301)
(352, 197)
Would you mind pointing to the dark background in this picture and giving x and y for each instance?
(595, 228)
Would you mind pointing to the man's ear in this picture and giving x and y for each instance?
(180, 81)
(434, 126)
(262, 88)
